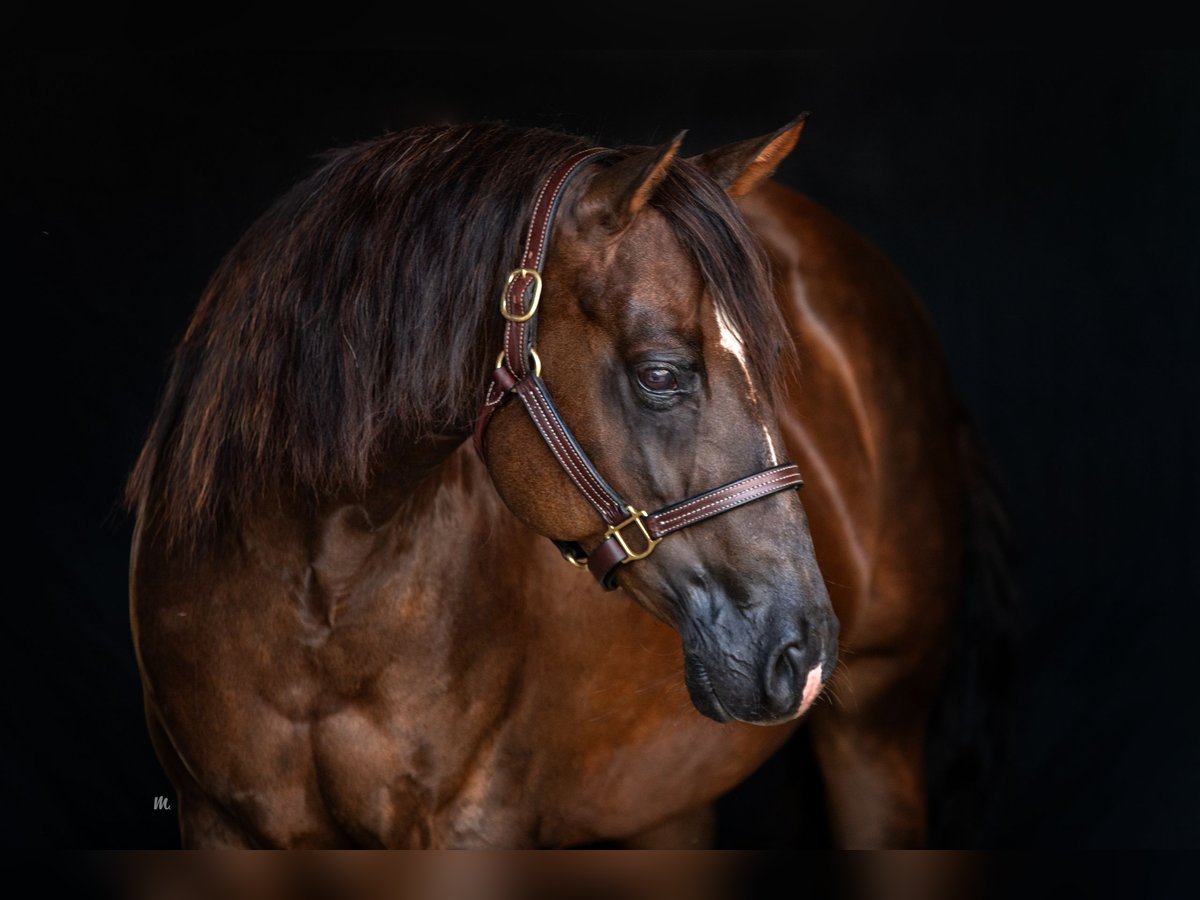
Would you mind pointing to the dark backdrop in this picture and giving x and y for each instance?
(1045, 208)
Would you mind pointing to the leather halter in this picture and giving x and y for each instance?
(519, 305)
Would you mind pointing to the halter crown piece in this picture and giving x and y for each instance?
(632, 533)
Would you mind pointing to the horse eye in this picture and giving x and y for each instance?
(658, 379)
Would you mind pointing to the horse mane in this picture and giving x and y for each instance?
(359, 310)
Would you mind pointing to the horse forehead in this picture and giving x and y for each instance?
(651, 247)
(649, 264)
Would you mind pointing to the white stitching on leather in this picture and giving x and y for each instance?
(706, 510)
(686, 508)
(541, 224)
(521, 284)
(733, 501)
(562, 451)
(521, 347)
(719, 495)
(577, 471)
(686, 515)
(536, 206)
(520, 368)
(489, 400)
(529, 243)
(597, 493)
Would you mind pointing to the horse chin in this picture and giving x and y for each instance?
(703, 694)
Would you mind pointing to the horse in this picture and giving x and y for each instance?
(350, 627)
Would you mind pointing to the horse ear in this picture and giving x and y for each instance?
(741, 167)
(620, 192)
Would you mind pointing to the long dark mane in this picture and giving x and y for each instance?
(359, 309)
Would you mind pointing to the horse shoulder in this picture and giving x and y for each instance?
(215, 635)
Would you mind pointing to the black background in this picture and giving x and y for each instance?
(1044, 207)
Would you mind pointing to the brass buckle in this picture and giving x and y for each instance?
(579, 562)
(537, 362)
(636, 517)
(537, 294)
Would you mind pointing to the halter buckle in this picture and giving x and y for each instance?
(636, 517)
(537, 361)
(579, 562)
(537, 294)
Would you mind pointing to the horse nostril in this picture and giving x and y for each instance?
(786, 679)
(785, 663)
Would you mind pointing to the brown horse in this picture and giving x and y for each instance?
(351, 631)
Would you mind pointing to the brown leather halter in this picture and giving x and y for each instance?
(513, 376)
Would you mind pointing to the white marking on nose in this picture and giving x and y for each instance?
(733, 342)
(812, 687)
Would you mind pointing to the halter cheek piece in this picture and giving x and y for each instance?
(632, 533)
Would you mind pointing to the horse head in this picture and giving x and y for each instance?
(659, 335)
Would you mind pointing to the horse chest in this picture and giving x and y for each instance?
(584, 733)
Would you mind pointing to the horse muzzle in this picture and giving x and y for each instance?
(738, 680)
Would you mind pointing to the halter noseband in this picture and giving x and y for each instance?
(513, 376)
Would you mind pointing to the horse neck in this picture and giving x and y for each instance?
(428, 510)
(408, 477)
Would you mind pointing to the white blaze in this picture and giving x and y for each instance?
(733, 342)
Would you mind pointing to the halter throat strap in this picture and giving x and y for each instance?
(632, 533)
